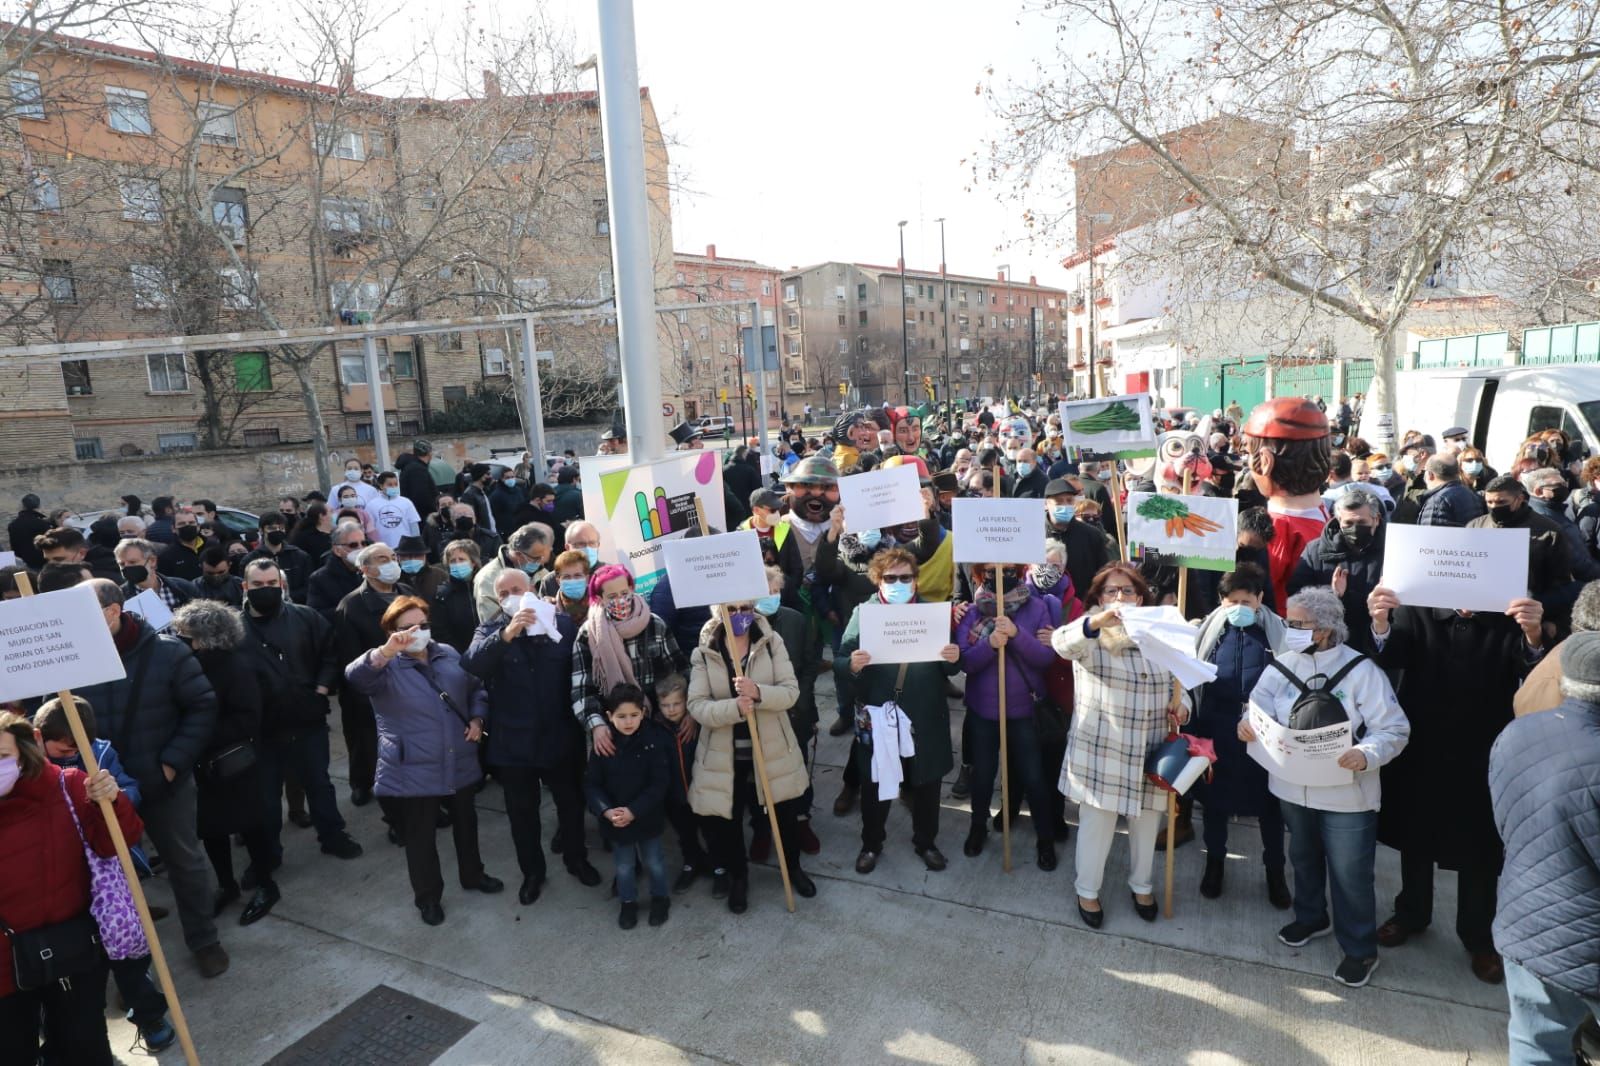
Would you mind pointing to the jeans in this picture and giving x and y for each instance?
(1097, 831)
(170, 823)
(419, 822)
(1338, 847)
(521, 786)
(70, 1023)
(304, 755)
(140, 993)
(1022, 749)
(924, 813)
(1544, 1018)
(1271, 821)
(627, 857)
(1475, 900)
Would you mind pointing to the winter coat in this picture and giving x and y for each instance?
(1451, 504)
(1549, 568)
(180, 560)
(44, 878)
(1026, 659)
(800, 641)
(452, 607)
(1584, 510)
(742, 479)
(1544, 784)
(569, 505)
(416, 483)
(1058, 676)
(503, 502)
(1541, 689)
(230, 590)
(20, 533)
(168, 722)
(422, 746)
(528, 682)
(1087, 550)
(1120, 718)
(637, 777)
(713, 704)
(1238, 783)
(1584, 565)
(843, 563)
(293, 564)
(291, 654)
(1459, 680)
(231, 804)
(1032, 487)
(922, 698)
(332, 582)
(358, 620)
(1363, 566)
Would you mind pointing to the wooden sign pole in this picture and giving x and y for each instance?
(1116, 507)
(1177, 701)
(86, 752)
(999, 572)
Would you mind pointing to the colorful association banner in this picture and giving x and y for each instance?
(1200, 532)
(639, 508)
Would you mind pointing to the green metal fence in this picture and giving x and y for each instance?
(1575, 343)
(1472, 349)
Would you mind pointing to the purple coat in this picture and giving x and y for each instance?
(1026, 660)
(422, 746)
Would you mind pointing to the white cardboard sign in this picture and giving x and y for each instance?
(8, 559)
(989, 530)
(879, 498)
(723, 568)
(1459, 569)
(55, 641)
(152, 608)
(903, 633)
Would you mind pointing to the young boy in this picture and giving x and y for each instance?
(672, 698)
(627, 791)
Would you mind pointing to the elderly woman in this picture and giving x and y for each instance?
(571, 573)
(1124, 701)
(454, 609)
(1333, 829)
(430, 713)
(741, 669)
(620, 643)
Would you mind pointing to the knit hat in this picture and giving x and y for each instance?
(1580, 658)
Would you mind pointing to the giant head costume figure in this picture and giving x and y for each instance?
(1287, 448)
(907, 430)
(813, 488)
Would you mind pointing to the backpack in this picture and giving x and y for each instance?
(1318, 708)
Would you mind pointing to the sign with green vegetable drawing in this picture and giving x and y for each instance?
(1194, 531)
(1117, 426)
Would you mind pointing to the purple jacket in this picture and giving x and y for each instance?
(422, 746)
(1026, 660)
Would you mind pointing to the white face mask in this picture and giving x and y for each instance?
(1297, 639)
(419, 640)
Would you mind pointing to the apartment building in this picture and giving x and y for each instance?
(163, 196)
(705, 344)
(849, 331)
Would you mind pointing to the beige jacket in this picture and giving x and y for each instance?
(1541, 689)
(712, 704)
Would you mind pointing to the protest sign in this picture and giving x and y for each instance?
(1197, 531)
(640, 508)
(1118, 426)
(55, 641)
(882, 498)
(1459, 569)
(724, 568)
(997, 530)
(904, 633)
(1300, 756)
(151, 607)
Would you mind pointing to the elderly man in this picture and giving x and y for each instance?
(1448, 501)
(535, 738)
(357, 629)
(1348, 558)
(130, 526)
(528, 549)
(136, 559)
(338, 577)
(1547, 495)
(1031, 480)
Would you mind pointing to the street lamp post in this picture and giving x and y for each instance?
(1102, 218)
(1005, 269)
(944, 298)
(905, 328)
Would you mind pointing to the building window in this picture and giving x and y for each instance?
(788, 292)
(88, 448)
(167, 372)
(796, 376)
(128, 110)
(149, 287)
(766, 288)
(352, 368)
(27, 98)
(176, 442)
(141, 199)
(59, 284)
(861, 291)
(428, 200)
(841, 321)
(364, 432)
(861, 345)
(844, 346)
(410, 428)
(736, 284)
(861, 318)
(404, 361)
(261, 437)
(252, 372)
(341, 216)
(217, 125)
(454, 394)
(238, 289)
(494, 363)
(43, 195)
(791, 345)
(514, 151)
(602, 219)
(377, 145)
(229, 212)
(75, 376)
(341, 144)
(450, 342)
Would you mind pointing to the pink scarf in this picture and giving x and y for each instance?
(612, 667)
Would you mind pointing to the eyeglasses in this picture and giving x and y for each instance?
(895, 579)
(357, 544)
(1299, 625)
(1119, 592)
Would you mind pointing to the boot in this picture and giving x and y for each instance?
(1278, 889)
(738, 894)
(629, 916)
(963, 786)
(846, 801)
(1211, 881)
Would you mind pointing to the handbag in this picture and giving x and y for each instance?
(231, 761)
(110, 899)
(56, 952)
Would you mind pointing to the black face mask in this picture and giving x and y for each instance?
(464, 525)
(1559, 496)
(289, 517)
(265, 601)
(186, 533)
(135, 575)
(214, 579)
(1502, 514)
(1357, 536)
(276, 537)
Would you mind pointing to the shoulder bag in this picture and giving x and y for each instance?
(110, 899)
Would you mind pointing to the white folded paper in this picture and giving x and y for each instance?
(152, 608)
(544, 616)
(1167, 640)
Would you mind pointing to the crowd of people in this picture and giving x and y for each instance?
(470, 630)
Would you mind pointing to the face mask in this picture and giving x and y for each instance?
(1024, 469)
(548, 505)
(593, 555)
(899, 592)
(411, 566)
(186, 533)
(1501, 514)
(1560, 494)
(741, 621)
(348, 503)
(573, 588)
(419, 640)
(289, 517)
(460, 571)
(1241, 615)
(869, 538)
(135, 575)
(1104, 475)
(619, 610)
(214, 579)
(10, 771)
(1297, 639)
(352, 475)
(1472, 467)
(389, 572)
(1380, 471)
(1061, 515)
(530, 568)
(391, 491)
(1046, 575)
(511, 604)
(1356, 536)
(464, 524)
(276, 537)
(265, 600)
(509, 482)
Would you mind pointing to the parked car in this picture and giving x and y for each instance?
(241, 523)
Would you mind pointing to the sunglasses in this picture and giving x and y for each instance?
(896, 579)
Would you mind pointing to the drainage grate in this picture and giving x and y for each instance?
(385, 1027)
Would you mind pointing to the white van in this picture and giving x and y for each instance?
(1502, 405)
(714, 425)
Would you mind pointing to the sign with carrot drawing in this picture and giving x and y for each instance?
(1118, 426)
(1194, 531)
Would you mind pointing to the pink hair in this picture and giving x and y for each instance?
(609, 572)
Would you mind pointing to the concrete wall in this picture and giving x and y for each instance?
(250, 478)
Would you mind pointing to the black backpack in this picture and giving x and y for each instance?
(1317, 707)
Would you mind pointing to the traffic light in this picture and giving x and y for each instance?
(750, 393)
(844, 387)
(722, 394)
(927, 386)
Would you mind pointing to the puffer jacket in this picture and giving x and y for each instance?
(422, 746)
(1363, 567)
(1544, 782)
(1451, 504)
(713, 705)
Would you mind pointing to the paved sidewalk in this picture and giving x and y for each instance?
(967, 966)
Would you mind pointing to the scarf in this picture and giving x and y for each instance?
(984, 604)
(809, 530)
(612, 666)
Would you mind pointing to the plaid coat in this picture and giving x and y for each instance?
(654, 654)
(1121, 715)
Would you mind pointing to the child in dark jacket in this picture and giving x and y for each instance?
(628, 792)
(672, 698)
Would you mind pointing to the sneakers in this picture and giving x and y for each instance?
(1353, 973)
(963, 786)
(660, 908)
(341, 847)
(629, 916)
(157, 1036)
(1299, 934)
(1211, 880)
(212, 960)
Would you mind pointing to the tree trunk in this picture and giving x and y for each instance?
(313, 405)
(210, 401)
(1378, 414)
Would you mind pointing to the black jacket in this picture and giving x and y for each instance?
(183, 592)
(636, 777)
(529, 683)
(230, 590)
(1031, 487)
(1363, 568)
(416, 483)
(331, 584)
(180, 560)
(357, 622)
(452, 607)
(291, 653)
(102, 562)
(293, 564)
(1451, 504)
(742, 479)
(167, 722)
(1549, 568)
(20, 533)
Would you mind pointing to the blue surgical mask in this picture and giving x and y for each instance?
(899, 592)
(1062, 515)
(352, 475)
(460, 571)
(1024, 469)
(1472, 466)
(509, 482)
(768, 605)
(870, 537)
(530, 568)
(389, 572)
(411, 566)
(391, 491)
(593, 555)
(573, 588)
(1241, 615)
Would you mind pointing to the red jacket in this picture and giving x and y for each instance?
(43, 876)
